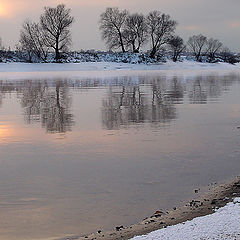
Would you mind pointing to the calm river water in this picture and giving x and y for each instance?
(82, 155)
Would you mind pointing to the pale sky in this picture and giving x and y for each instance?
(214, 18)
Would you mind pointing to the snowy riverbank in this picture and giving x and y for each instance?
(20, 71)
(106, 66)
(224, 224)
(212, 215)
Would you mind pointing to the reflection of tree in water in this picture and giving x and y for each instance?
(198, 93)
(154, 99)
(138, 104)
(176, 91)
(162, 108)
(1, 94)
(210, 87)
(213, 87)
(123, 106)
(50, 105)
(6, 88)
(130, 100)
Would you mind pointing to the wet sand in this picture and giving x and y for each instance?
(215, 196)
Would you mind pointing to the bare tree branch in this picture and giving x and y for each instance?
(160, 28)
(111, 25)
(56, 23)
(32, 40)
(177, 46)
(213, 47)
(197, 44)
(135, 31)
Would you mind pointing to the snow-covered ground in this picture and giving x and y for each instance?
(104, 66)
(102, 69)
(224, 224)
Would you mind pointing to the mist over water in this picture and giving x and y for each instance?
(82, 155)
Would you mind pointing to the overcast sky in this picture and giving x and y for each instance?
(214, 18)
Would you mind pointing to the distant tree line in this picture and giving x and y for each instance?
(120, 30)
(130, 32)
(209, 49)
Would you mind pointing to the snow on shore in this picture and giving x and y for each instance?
(20, 71)
(104, 66)
(224, 224)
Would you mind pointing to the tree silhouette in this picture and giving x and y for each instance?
(55, 23)
(111, 25)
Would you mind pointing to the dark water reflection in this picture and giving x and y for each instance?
(127, 101)
(47, 104)
(82, 155)
(133, 105)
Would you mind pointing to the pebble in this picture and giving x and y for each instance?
(119, 228)
(214, 201)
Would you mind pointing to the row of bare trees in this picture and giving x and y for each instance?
(52, 32)
(201, 46)
(120, 29)
(211, 49)
(130, 32)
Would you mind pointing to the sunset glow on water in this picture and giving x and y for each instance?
(68, 167)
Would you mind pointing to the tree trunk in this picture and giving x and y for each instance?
(121, 42)
(198, 57)
(153, 52)
(133, 47)
(175, 56)
(57, 54)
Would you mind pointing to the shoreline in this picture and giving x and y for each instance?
(108, 70)
(204, 204)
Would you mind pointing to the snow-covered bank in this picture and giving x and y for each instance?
(223, 224)
(186, 221)
(20, 71)
(106, 66)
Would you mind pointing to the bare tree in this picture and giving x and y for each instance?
(56, 23)
(111, 25)
(177, 46)
(197, 44)
(2, 48)
(225, 53)
(135, 31)
(160, 29)
(213, 47)
(227, 56)
(32, 40)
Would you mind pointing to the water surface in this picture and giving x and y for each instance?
(79, 155)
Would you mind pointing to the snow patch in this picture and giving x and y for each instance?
(224, 224)
(236, 200)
